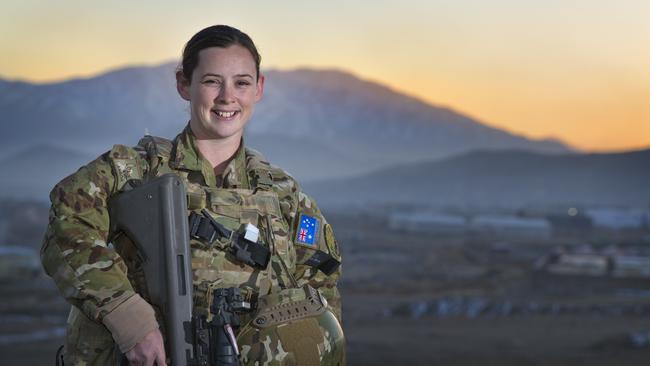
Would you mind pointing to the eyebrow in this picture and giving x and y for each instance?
(220, 76)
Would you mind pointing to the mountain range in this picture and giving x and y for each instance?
(315, 123)
(503, 179)
(320, 125)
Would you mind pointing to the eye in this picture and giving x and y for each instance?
(243, 83)
(210, 82)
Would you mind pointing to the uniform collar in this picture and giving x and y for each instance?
(235, 174)
(186, 156)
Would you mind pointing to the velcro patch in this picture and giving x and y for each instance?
(331, 242)
(307, 230)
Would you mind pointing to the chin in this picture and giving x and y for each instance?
(223, 134)
(217, 129)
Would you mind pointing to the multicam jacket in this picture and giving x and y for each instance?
(99, 272)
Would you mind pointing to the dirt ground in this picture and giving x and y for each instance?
(394, 287)
(389, 273)
(539, 340)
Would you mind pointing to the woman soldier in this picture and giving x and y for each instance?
(234, 185)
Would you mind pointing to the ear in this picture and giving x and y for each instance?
(182, 85)
(259, 88)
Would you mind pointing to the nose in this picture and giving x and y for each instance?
(225, 95)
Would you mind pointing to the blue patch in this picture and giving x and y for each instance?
(306, 233)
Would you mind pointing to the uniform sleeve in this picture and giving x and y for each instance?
(322, 248)
(90, 274)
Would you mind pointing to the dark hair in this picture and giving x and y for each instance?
(216, 36)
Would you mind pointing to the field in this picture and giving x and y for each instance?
(424, 299)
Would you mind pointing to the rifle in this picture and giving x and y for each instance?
(154, 216)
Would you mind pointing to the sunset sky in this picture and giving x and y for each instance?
(577, 70)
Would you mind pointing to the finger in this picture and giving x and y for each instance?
(149, 360)
(133, 361)
(160, 359)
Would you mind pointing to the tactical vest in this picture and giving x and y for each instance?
(212, 265)
(303, 341)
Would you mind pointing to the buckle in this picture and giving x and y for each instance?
(201, 228)
(323, 262)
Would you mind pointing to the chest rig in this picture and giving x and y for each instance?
(285, 322)
(218, 218)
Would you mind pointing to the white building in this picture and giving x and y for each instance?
(612, 218)
(627, 266)
(424, 221)
(512, 226)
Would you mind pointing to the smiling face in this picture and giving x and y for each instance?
(222, 93)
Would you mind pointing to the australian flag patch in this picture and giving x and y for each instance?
(307, 230)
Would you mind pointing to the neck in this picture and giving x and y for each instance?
(218, 152)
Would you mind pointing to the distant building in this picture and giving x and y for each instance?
(511, 226)
(612, 218)
(578, 264)
(603, 264)
(627, 266)
(565, 224)
(496, 225)
(423, 221)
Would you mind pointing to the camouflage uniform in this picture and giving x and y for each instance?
(104, 282)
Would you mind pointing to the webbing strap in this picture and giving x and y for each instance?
(204, 227)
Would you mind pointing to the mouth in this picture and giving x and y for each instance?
(225, 115)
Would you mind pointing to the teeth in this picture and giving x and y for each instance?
(225, 114)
